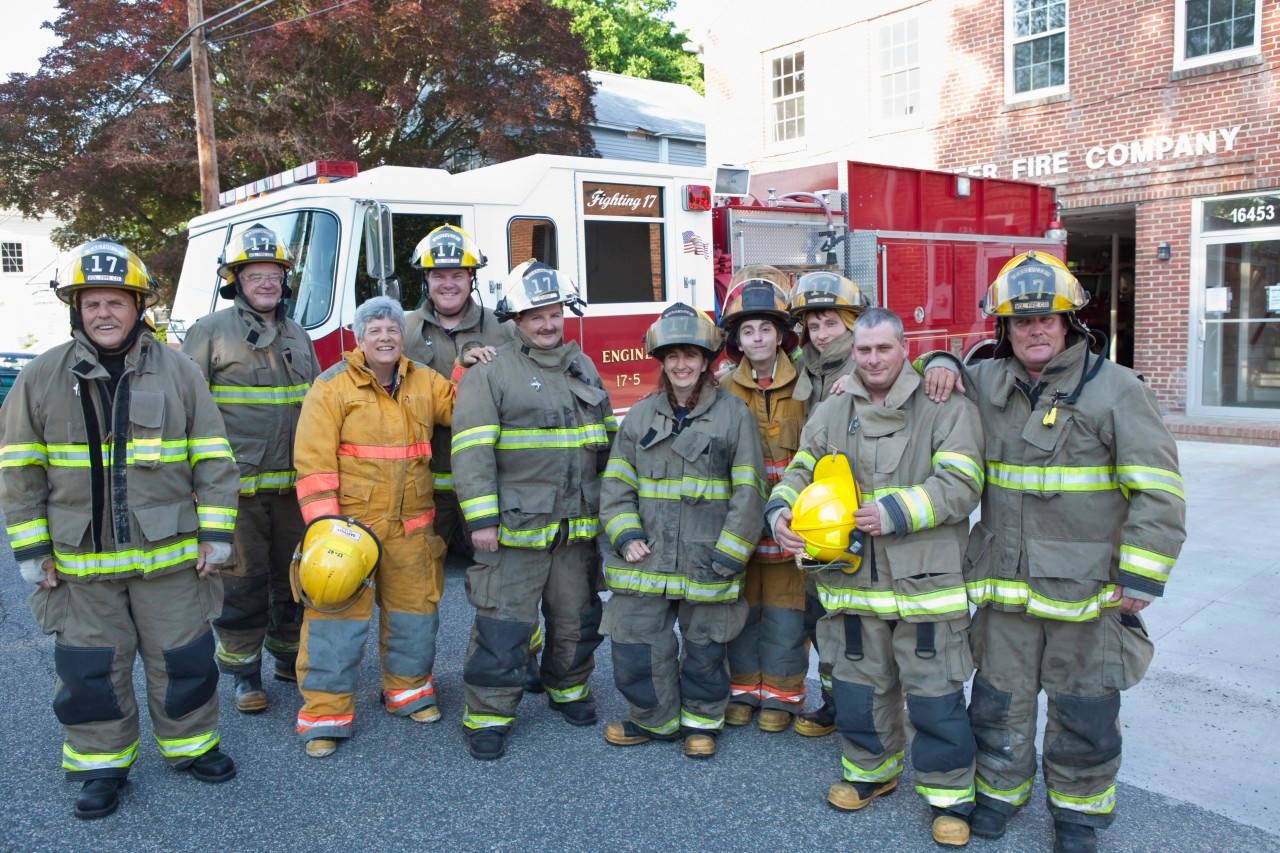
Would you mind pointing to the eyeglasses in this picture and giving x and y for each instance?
(257, 278)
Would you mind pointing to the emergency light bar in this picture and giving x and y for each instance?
(315, 172)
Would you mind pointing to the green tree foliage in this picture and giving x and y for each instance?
(633, 37)
(376, 81)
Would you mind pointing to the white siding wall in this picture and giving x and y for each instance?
(31, 317)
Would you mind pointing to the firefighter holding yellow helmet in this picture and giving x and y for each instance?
(896, 620)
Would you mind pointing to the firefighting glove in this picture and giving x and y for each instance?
(32, 569)
(220, 554)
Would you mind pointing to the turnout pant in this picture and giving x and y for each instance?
(99, 628)
(876, 663)
(451, 526)
(259, 607)
(673, 686)
(813, 611)
(769, 659)
(1081, 667)
(505, 587)
(407, 588)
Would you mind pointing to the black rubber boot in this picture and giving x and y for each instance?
(532, 675)
(486, 744)
(817, 723)
(98, 798)
(213, 767)
(581, 712)
(1074, 838)
(251, 698)
(986, 822)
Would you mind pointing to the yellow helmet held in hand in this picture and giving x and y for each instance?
(1034, 283)
(332, 565)
(823, 514)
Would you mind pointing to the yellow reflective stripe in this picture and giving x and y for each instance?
(670, 727)
(15, 455)
(72, 760)
(481, 507)
(1055, 478)
(483, 721)
(258, 395)
(887, 602)
(535, 639)
(610, 423)
(486, 435)
(216, 447)
(217, 517)
(803, 459)
(685, 487)
(671, 585)
(542, 537)
(272, 481)
(567, 694)
(187, 746)
(1148, 564)
(1148, 479)
(734, 546)
(620, 522)
(690, 720)
(442, 481)
(136, 450)
(1013, 796)
(1103, 803)
(234, 659)
(747, 475)
(886, 770)
(621, 469)
(28, 533)
(552, 439)
(959, 462)
(1014, 593)
(944, 798)
(784, 493)
(142, 560)
(919, 507)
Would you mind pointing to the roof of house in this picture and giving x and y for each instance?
(662, 109)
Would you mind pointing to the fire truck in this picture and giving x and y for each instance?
(635, 236)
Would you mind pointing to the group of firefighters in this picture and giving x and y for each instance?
(812, 490)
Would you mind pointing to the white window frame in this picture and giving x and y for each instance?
(772, 143)
(892, 72)
(1011, 41)
(12, 255)
(1180, 59)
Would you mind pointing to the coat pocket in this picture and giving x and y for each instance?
(165, 521)
(146, 417)
(50, 607)
(1069, 559)
(68, 526)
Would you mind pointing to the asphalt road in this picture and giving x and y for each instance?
(398, 785)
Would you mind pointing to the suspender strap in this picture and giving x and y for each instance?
(924, 640)
(853, 637)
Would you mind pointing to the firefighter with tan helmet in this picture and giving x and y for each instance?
(1083, 518)
(531, 437)
(896, 623)
(259, 364)
(681, 507)
(119, 492)
(769, 658)
(364, 453)
(825, 304)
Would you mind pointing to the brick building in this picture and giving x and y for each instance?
(1156, 120)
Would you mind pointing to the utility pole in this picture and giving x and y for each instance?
(206, 142)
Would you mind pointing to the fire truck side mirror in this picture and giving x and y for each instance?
(379, 249)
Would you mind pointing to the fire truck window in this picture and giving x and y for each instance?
(624, 262)
(312, 238)
(531, 238)
(407, 230)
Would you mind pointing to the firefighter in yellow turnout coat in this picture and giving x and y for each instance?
(897, 626)
(363, 451)
(259, 365)
(106, 439)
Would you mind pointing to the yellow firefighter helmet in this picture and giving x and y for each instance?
(823, 514)
(256, 244)
(825, 291)
(448, 247)
(1034, 283)
(756, 290)
(682, 324)
(333, 563)
(105, 263)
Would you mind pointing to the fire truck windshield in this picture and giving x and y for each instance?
(312, 238)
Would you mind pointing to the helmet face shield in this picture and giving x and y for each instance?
(683, 324)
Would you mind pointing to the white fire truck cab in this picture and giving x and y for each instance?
(634, 236)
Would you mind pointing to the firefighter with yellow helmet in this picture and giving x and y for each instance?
(1083, 518)
(677, 552)
(364, 452)
(896, 623)
(259, 364)
(769, 659)
(119, 492)
(531, 437)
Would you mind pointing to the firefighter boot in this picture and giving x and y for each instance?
(213, 767)
(320, 747)
(627, 733)
(817, 723)
(429, 714)
(251, 698)
(949, 829)
(986, 822)
(285, 671)
(99, 798)
(1074, 838)
(773, 720)
(854, 796)
(700, 745)
(580, 712)
(532, 675)
(738, 714)
(486, 744)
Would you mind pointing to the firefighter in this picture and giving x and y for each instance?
(1082, 520)
(259, 365)
(119, 491)
(825, 304)
(681, 506)
(530, 441)
(364, 451)
(769, 659)
(896, 625)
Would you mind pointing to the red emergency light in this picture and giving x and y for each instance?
(697, 197)
(315, 172)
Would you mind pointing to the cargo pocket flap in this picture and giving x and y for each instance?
(67, 526)
(1069, 559)
(691, 444)
(1046, 438)
(588, 394)
(249, 450)
(930, 557)
(166, 520)
(146, 409)
(526, 499)
(355, 487)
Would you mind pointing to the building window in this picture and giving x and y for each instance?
(1037, 55)
(900, 69)
(1215, 30)
(11, 257)
(787, 76)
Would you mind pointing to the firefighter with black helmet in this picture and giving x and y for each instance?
(681, 507)
(531, 437)
(896, 621)
(259, 364)
(119, 492)
(769, 659)
(1083, 518)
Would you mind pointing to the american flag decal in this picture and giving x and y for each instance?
(694, 244)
